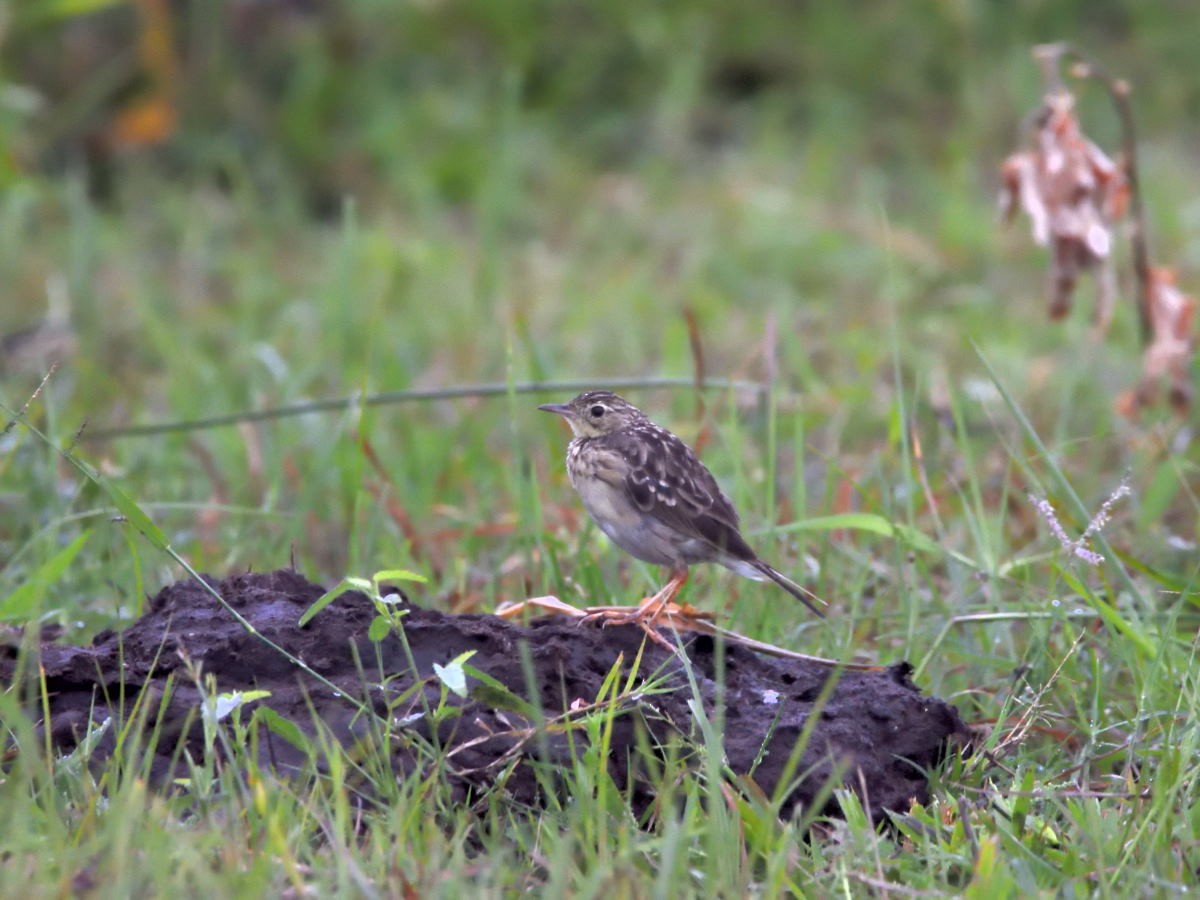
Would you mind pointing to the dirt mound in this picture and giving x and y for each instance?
(875, 724)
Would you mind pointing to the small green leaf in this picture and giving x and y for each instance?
(397, 575)
(380, 628)
(285, 728)
(74, 761)
(346, 584)
(494, 694)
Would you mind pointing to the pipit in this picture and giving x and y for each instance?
(649, 492)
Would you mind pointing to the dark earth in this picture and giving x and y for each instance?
(875, 730)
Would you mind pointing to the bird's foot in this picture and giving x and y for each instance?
(659, 610)
(651, 614)
(679, 616)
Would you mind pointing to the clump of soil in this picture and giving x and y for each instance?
(875, 728)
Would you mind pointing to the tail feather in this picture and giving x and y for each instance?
(803, 594)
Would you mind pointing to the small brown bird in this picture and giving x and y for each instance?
(651, 495)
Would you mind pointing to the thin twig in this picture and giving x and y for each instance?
(355, 401)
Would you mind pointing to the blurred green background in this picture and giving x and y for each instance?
(208, 207)
(246, 204)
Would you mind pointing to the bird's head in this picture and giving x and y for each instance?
(596, 413)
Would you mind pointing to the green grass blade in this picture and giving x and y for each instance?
(24, 602)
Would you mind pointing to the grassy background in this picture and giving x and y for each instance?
(359, 197)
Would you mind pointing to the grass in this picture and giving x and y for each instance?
(506, 230)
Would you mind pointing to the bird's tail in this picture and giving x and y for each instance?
(803, 594)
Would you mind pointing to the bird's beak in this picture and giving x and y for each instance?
(559, 409)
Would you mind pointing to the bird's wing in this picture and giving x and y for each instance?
(666, 480)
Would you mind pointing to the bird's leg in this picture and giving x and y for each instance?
(652, 607)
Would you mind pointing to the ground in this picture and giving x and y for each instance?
(876, 730)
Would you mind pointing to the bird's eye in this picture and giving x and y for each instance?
(596, 411)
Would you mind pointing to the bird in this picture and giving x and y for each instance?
(651, 495)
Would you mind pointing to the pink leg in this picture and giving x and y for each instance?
(650, 608)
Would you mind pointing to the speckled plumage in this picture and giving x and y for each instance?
(649, 492)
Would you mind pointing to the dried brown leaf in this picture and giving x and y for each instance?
(1073, 194)
(1168, 356)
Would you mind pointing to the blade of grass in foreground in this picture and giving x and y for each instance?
(24, 603)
